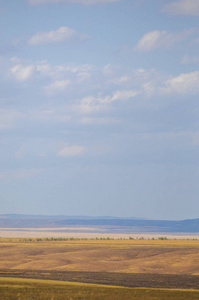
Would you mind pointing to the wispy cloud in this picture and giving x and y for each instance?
(57, 86)
(158, 39)
(151, 40)
(123, 95)
(59, 71)
(60, 35)
(51, 78)
(69, 151)
(84, 2)
(113, 85)
(21, 72)
(185, 83)
(91, 104)
(182, 7)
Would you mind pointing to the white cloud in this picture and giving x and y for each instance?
(124, 79)
(91, 104)
(57, 86)
(150, 40)
(56, 36)
(22, 73)
(124, 95)
(185, 83)
(109, 70)
(82, 76)
(45, 69)
(149, 87)
(78, 69)
(157, 39)
(71, 151)
(58, 72)
(183, 7)
(84, 2)
(51, 78)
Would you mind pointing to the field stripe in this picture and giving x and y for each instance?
(79, 284)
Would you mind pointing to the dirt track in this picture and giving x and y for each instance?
(117, 279)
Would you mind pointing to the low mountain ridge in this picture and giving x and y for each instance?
(113, 223)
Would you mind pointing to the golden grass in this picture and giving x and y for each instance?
(127, 256)
(23, 289)
(17, 281)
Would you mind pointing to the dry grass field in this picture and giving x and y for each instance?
(146, 269)
(23, 289)
(122, 256)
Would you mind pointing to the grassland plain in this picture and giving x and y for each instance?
(27, 289)
(171, 264)
(122, 256)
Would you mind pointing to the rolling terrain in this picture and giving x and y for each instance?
(97, 268)
(116, 256)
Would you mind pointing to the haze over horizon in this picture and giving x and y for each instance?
(85, 217)
(99, 108)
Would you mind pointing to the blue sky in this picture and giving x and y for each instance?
(99, 107)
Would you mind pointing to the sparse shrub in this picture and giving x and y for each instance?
(162, 238)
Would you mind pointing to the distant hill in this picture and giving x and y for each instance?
(113, 224)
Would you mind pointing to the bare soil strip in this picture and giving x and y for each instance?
(88, 232)
(163, 281)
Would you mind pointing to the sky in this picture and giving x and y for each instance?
(99, 108)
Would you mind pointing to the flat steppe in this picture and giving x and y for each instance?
(130, 263)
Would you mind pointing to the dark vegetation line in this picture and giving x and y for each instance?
(90, 239)
(118, 279)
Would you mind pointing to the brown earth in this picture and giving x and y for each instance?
(117, 279)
